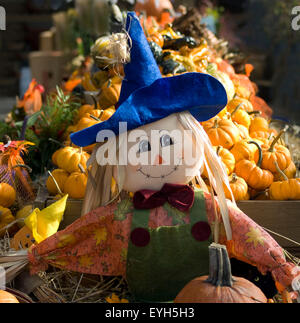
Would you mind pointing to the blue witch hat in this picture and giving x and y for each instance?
(147, 97)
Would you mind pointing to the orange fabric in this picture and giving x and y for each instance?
(97, 243)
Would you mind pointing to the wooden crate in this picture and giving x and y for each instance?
(282, 217)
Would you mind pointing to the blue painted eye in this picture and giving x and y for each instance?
(166, 140)
(144, 146)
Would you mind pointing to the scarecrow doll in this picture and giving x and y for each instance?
(147, 214)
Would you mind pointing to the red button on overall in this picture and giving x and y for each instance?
(201, 231)
(140, 237)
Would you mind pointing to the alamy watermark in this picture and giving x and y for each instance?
(2, 18)
(296, 19)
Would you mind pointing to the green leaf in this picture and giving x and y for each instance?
(32, 120)
(123, 208)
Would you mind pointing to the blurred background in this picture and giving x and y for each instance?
(41, 35)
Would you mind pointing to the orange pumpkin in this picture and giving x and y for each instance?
(289, 172)
(243, 103)
(220, 286)
(238, 187)
(222, 132)
(245, 149)
(278, 153)
(75, 185)
(6, 297)
(259, 124)
(288, 189)
(69, 158)
(85, 123)
(60, 176)
(110, 92)
(251, 172)
(244, 132)
(7, 195)
(241, 116)
(155, 36)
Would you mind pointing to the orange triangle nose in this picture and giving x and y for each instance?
(158, 160)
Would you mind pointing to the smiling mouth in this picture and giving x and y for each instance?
(161, 176)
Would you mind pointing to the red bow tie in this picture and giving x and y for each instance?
(179, 196)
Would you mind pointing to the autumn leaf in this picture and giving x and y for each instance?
(123, 208)
(86, 261)
(255, 236)
(100, 235)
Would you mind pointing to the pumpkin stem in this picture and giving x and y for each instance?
(259, 152)
(215, 123)
(81, 168)
(218, 150)
(95, 118)
(236, 108)
(271, 149)
(95, 101)
(280, 171)
(234, 178)
(254, 112)
(55, 182)
(219, 266)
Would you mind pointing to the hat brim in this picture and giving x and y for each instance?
(201, 94)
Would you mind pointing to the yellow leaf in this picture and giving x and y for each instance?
(45, 223)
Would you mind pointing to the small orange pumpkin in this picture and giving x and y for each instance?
(243, 103)
(259, 124)
(238, 187)
(6, 218)
(255, 177)
(245, 149)
(69, 158)
(222, 132)
(241, 116)
(220, 286)
(7, 195)
(288, 189)
(289, 172)
(75, 185)
(110, 92)
(278, 153)
(60, 176)
(6, 297)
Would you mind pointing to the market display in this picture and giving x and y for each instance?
(168, 233)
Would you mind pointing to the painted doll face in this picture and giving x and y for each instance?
(161, 152)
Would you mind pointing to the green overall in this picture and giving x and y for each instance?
(158, 270)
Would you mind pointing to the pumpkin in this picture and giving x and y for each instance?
(7, 195)
(220, 286)
(6, 297)
(227, 160)
(259, 124)
(87, 108)
(288, 189)
(243, 103)
(289, 172)
(75, 185)
(6, 218)
(245, 149)
(255, 177)
(238, 187)
(60, 176)
(278, 153)
(244, 132)
(86, 122)
(241, 116)
(222, 132)
(101, 115)
(155, 36)
(69, 158)
(24, 213)
(110, 92)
